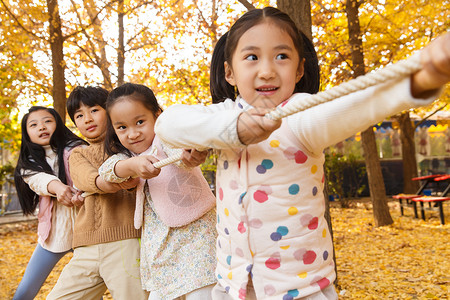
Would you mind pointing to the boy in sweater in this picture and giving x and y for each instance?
(105, 242)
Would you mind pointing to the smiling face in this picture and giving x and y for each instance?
(133, 123)
(90, 120)
(265, 66)
(40, 127)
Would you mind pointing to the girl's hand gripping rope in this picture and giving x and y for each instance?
(435, 59)
(192, 158)
(253, 127)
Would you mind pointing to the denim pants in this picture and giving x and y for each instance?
(39, 267)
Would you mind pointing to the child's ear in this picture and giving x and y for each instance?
(300, 71)
(229, 75)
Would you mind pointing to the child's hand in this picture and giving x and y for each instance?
(253, 127)
(77, 199)
(129, 184)
(192, 158)
(107, 187)
(137, 166)
(143, 166)
(435, 59)
(63, 192)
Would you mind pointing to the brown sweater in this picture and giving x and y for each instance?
(103, 217)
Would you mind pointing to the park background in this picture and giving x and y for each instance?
(49, 47)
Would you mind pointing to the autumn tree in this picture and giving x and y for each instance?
(56, 41)
(29, 18)
(389, 33)
(376, 183)
(21, 78)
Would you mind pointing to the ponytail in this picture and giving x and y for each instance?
(310, 81)
(220, 89)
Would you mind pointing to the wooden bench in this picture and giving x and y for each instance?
(425, 181)
(408, 202)
(431, 199)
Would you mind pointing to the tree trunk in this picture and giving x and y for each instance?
(98, 42)
(381, 212)
(58, 64)
(121, 47)
(408, 154)
(300, 12)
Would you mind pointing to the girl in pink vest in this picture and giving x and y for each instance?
(42, 179)
(273, 240)
(174, 205)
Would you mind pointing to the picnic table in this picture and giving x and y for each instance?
(412, 199)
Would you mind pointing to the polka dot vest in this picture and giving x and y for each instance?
(271, 228)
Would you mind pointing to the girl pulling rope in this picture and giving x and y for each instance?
(273, 241)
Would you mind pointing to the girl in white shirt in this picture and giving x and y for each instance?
(41, 178)
(273, 240)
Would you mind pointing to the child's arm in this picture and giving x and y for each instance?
(435, 59)
(138, 166)
(83, 173)
(45, 184)
(126, 177)
(111, 187)
(253, 127)
(62, 191)
(199, 127)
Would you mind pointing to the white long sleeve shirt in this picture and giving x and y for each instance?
(63, 217)
(270, 202)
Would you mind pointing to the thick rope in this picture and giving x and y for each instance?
(168, 161)
(162, 163)
(402, 68)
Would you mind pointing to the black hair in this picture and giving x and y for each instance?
(89, 96)
(137, 92)
(32, 157)
(220, 89)
(225, 47)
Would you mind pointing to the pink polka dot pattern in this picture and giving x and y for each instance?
(234, 185)
(307, 256)
(241, 227)
(274, 261)
(269, 290)
(289, 153)
(322, 282)
(271, 215)
(220, 194)
(300, 157)
(309, 221)
(260, 196)
(255, 223)
(239, 252)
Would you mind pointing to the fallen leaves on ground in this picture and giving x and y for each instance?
(17, 243)
(406, 260)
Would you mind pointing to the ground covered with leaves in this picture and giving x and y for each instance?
(407, 260)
